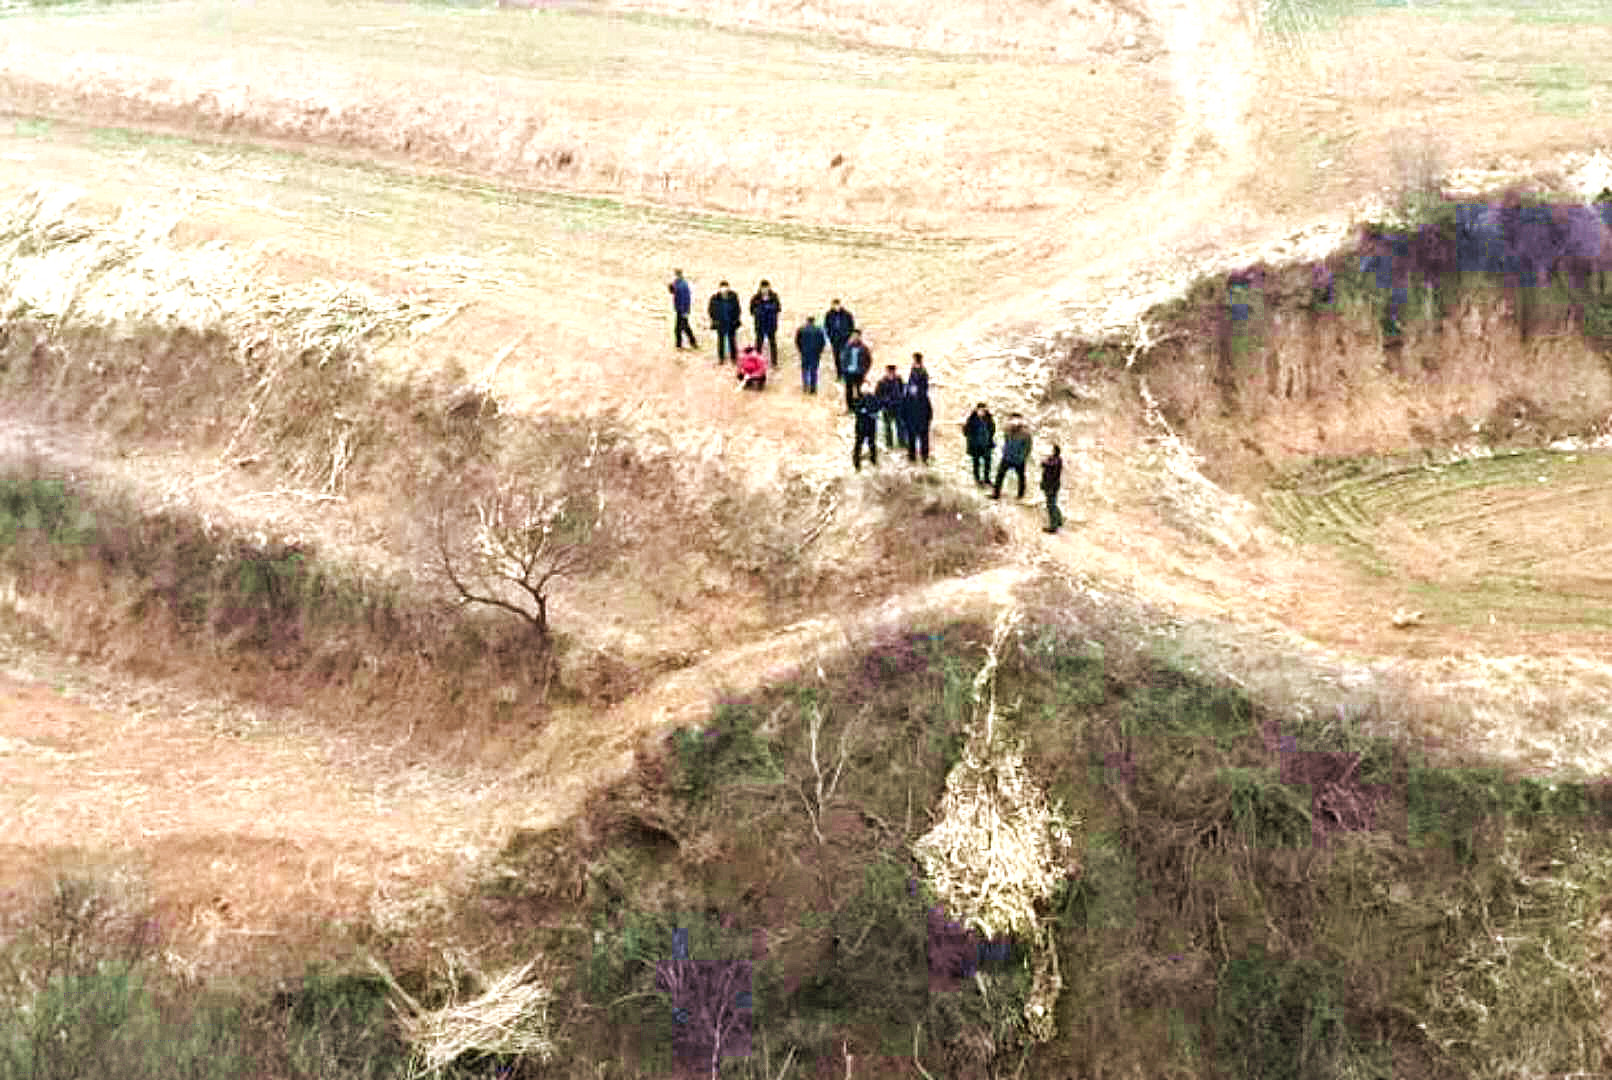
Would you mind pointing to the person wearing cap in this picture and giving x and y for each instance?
(682, 302)
(979, 432)
(764, 309)
(725, 316)
(855, 362)
(838, 322)
(889, 391)
(1051, 479)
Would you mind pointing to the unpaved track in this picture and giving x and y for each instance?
(228, 813)
(239, 824)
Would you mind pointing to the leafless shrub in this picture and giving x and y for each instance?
(533, 526)
(825, 792)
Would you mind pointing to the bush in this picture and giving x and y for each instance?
(727, 749)
(1277, 1019)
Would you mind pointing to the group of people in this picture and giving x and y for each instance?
(901, 405)
(979, 433)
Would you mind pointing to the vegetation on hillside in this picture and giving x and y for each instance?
(1247, 892)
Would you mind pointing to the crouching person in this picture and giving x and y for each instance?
(752, 369)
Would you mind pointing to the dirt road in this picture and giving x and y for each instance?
(257, 832)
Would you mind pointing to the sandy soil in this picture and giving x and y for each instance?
(234, 819)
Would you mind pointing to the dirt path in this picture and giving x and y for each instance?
(256, 831)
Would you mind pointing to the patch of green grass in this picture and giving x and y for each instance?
(726, 750)
(29, 127)
(1282, 1019)
(1173, 701)
(1266, 812)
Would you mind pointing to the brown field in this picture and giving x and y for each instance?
(971, 191)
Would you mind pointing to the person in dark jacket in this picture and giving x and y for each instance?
(810, 341)
(866, 409)
(1051, 479)
(764, 309)
(1015, 453)
(725, 317)
(889, 391)
(979, 432)
(682, 303)
(855, 362)
(918, 374)
(916, 415)
(838, 324)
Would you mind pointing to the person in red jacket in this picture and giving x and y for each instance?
(752, 369)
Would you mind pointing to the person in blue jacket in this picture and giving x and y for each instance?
(682, 303)
(810, 341)
(856, 360)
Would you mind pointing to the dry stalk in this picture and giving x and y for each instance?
(997, 848)
(919, 1065)
(509, 1018)
(814, 812)
(1143, 341)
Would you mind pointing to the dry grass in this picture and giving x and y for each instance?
(1064, 32)
(508, 1018)
(913, 133)
(997, 849)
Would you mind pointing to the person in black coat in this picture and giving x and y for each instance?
(916, 415)
(866, 409)
(1051, 480)
(764, 309)
(889, 391)
(918, 374)
(979, 432)
(726, 314)
(838, 323)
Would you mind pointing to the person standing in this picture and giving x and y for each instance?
(855, 363)
(979, 432)
(918, 374)
(866, 409)
(889, 391)
(1051, 478)
(916, 415)
(725, 316)
(764, 309)
(682, 303)
(838, 323)
(810, 341)
(1015, 453)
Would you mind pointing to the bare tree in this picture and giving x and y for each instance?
(711, 1000)
(522, 535)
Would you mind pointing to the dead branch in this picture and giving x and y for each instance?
(814, 812)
